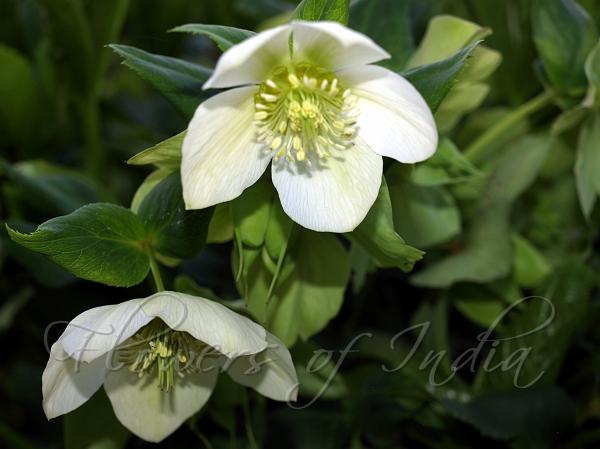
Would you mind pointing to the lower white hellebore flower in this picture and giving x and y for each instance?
(159, 358)
(318, 111)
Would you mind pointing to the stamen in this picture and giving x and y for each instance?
(157, 345)
(303, 113)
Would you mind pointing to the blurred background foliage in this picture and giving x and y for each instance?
(505, 210)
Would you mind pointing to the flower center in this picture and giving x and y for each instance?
(157, 346)
(305, 111)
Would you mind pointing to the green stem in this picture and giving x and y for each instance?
(160, 287)
(478, 149)
(248, 422)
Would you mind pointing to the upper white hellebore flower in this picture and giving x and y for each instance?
(159, 358)
(318, 111)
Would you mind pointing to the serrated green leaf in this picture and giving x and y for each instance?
(180, 81)
(225, 37)
(377, 236)
(435, 80)
(314, 10)
(165, 154)
(172, 230)
(100, 242)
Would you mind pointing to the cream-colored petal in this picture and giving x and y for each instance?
(332, 195)
(67, 384)
(252, 61)
(220, 157)
(394, 119)
(334, 46)
(150, 413)
(226, 331)
(270, 372)
(97, 331)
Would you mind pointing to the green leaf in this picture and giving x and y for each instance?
(106, 20)
(564, 34)
(556, 312)
(39, 266)
(530, 266)
(251, 211)
(587, 165)
(18, 91)
(146, 187)
(435, 80)
(592, 71)
(179, 81)
(445, 36)
(225, 37)
(50, 188)
(72, 32)
(313, 293)
(387, 23)
(525, 413)
(314, 10)
(487, 251)
(100, 242)
(376, 234)
(172, 230)
(166, 154)
(447, 166)
(478, 303)
(94, 426)
(424, 216)
(317, 372)
(220, 229)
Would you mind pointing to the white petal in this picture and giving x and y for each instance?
(67, 384)
(394, 119)
(333, 196)
(228, 332)
(150, 413)
(220, 157)
(252, 61)
(101, 329)
(334, 46)
(270, 372)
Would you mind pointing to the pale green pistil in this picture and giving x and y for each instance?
(304, 111)
(156, 346)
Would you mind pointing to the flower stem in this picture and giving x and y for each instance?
(160, 287)
(478, 149)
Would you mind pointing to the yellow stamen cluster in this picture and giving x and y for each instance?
(156, 345)
(304, 112)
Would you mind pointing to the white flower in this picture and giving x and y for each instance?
(318, 111)
(159, 358)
